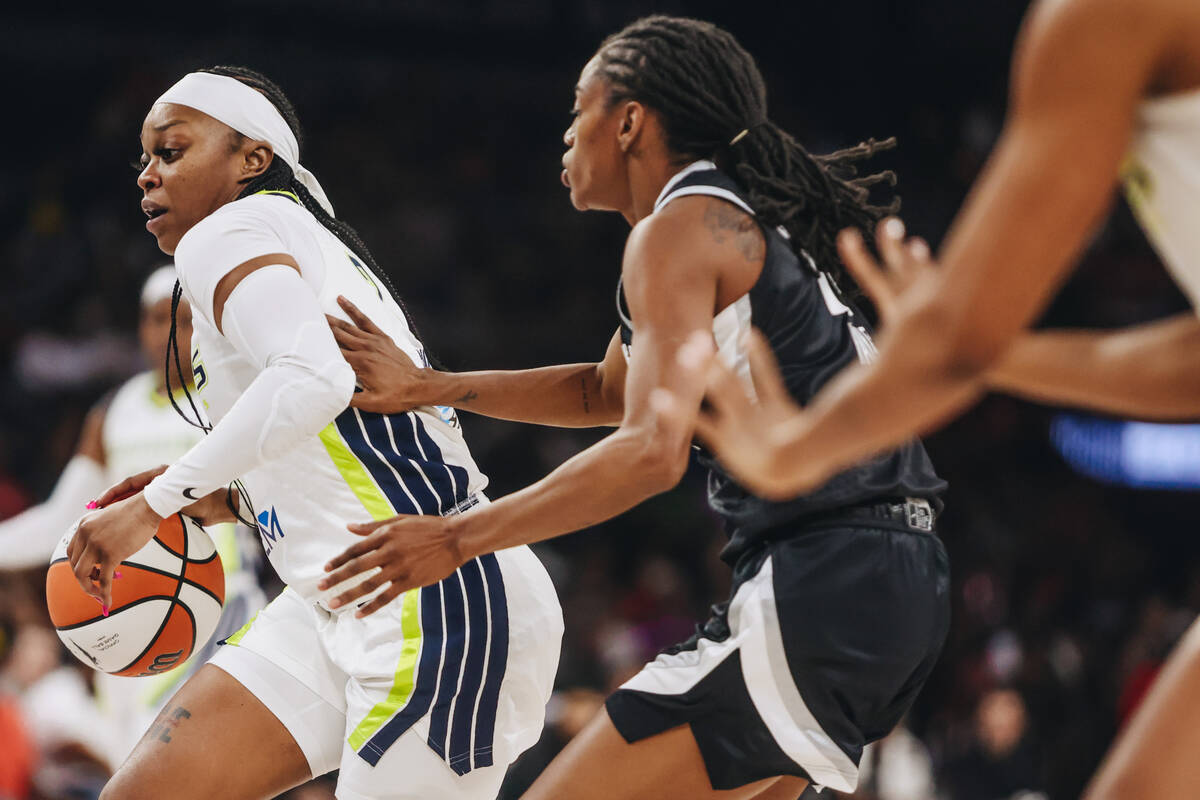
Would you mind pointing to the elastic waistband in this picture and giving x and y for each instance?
(912, 513)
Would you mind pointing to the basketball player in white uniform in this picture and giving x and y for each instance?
(436, 694)
(132, 430)
(1103, 89)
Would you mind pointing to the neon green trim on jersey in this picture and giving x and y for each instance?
(402, 685)
(355, 474)
(283, 192)
(237, 637)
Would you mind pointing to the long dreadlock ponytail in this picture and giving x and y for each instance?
(712, 104)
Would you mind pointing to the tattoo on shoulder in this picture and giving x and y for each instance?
(169, 720)
(728, 223)
(466, 398)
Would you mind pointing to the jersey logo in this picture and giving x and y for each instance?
(920, 515)
(364, 272)
(448, 415)
(190, 493)
(269, 529)
(199, 376)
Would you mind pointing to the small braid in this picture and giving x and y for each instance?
(707, 90)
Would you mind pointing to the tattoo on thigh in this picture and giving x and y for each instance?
(168, 721)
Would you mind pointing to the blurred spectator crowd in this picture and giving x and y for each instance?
(437, 134)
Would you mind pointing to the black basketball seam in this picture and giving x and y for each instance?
(183, 555)
(188, 581)
(164, 547)
(183, 527)
(140, 565)
(137, 602)
(174, 600)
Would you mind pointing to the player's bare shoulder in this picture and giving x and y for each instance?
(707, 226)
(1060, 21)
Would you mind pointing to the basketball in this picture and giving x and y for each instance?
(165, 604)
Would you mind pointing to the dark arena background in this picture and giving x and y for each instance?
(436, 128)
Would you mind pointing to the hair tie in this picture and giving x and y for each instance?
(744, 132)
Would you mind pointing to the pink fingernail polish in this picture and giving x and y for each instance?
(116, 574)
(104, 610)
(91, 505)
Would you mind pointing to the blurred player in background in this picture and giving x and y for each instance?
(839, 603)
(129, 430)
(1102, 90)
(133, 429)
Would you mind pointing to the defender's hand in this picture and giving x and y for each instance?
(906, 263)
(410, 551)
(747, 433)
(390, 381)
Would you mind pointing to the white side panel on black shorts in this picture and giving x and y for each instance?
(753, 618)
(754, 630)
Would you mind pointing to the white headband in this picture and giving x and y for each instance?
(159, 285)
(248, 112)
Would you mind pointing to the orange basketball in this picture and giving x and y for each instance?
(166, 604)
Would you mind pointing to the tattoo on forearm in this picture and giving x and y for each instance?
(727, 222)
(168, 721)
(587, 408)
(466, 398)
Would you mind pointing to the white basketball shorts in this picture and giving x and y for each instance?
(431, 697)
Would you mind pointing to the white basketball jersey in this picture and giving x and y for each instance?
(362, 466)
(1162, 182)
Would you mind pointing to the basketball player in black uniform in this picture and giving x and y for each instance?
(839, 604)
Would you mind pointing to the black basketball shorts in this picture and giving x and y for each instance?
(829, 634)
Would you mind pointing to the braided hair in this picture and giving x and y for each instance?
(712, 103)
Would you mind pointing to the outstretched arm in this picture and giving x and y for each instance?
(565, 396)
(1081, 68)
(668, 256)
(1149, 371)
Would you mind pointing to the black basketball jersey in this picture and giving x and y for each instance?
(814, 334)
